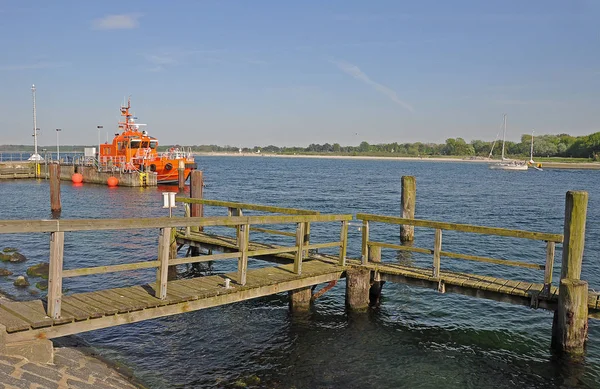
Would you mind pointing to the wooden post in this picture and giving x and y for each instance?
(243, 247)
(574, 232)
(549, 267)
(172, 273)
(344, 240)
(55, 205)
(196, 192)
(358, 283)
(409, 194)
(570, 326)
(376, 285)
(196, 210)
(55, 268)
(300, 246)
(238, 229)
(306, 237)
(437, 248)
(300, 299)
(365, 240)
(163, 257)
(181, 175)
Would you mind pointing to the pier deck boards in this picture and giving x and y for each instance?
(512, 291)
(93, 310)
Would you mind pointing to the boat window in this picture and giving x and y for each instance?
(145, 144)
(153, 144)
(135, 143)
(120, 145)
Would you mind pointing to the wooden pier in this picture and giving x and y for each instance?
(297, 268)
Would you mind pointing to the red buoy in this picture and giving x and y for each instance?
(77, 178)
(112, 181)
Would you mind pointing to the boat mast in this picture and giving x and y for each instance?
(531, 156)
(504, 137)
(35, 148)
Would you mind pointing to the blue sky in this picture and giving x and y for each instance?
(248, 73)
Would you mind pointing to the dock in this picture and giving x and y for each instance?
(298, 268)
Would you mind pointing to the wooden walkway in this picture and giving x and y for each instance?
(512, 291)
(106, 308)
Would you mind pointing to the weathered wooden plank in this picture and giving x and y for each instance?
(315, 246)
(77, 313)
(344, 245)
(437, 249)
(162, 273)
(11, 322)
(37, 306)
(34, 317)
(364, 244)
(243, 261)
(66, 225)
(400, 247)
(86, 271)
(491, 260)
(203, 258)
(55, 269)
(462, 227)
(279, 250)
(117, 304)
(300, 248)
(273, 232)
(549, 267)
(147, 295)
(191, 294)
(84, 299)
(72, 305)
(133, 305)
(252, 207)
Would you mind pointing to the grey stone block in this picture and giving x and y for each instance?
(34, 379)
(42, 371)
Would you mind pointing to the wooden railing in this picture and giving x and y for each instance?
(237, 209)
(550, 239)
(57, 229)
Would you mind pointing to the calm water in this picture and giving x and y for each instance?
(417, 339)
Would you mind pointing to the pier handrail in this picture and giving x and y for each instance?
(57, 229)
(550, 239)
(247, 206)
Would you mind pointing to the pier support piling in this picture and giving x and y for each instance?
(376, 285)
(196, 210)
(570, 326)
(574, 234)
(358, 284)
(181, 176)
(55, 205)
(409, 195)
(300, 299)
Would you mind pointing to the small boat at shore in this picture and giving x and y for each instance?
(135, 150)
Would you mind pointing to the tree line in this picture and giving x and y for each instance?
(563, 145)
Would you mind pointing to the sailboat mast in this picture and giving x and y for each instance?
(504, 137)
(531, 156)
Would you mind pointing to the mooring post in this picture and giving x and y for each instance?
(181, 176)
(574, 234)
(358, 284)
(569, 328)
(172, 273)
(55, 205)
(196, 210)
(409, 195)
(376, 285)
(300, 299)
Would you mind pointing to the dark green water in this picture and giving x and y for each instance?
(417, 339)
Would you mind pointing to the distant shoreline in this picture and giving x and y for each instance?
(550, 165)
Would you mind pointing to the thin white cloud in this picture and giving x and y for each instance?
(117, 22)
(36, 65)
(355, 72)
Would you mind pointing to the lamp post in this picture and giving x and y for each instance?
(58, 145)
(99, 128)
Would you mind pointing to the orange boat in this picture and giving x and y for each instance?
(134, 150)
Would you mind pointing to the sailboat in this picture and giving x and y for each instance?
(531, 161)
(507, 164)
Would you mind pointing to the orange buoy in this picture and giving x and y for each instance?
(112, 181)
(77, 178)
